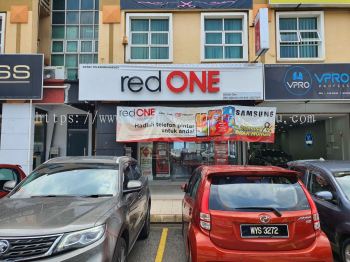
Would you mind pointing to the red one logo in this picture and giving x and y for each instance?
(207, 83)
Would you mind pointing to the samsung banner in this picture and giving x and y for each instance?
(21, 76)
(181, 4)
(219, 123)
(307, 82)
(171, 82)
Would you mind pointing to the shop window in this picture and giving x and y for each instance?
(2, 33)
(178, 160)
(150, 37)
(300, 35)
(224, 37)
(74, 34)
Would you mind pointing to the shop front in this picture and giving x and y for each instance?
(312, 102)
(35, 119)
(173, 118)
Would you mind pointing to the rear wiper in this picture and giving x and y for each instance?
(97, 195)
(274, 210)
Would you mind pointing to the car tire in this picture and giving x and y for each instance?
(121, 251)
(146, 229)
(345, 251)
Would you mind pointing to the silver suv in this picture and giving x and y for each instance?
(76, 209)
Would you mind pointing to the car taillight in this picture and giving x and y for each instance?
(316, 221)
(204, 221)
(204, 215)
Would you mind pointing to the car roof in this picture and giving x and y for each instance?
(103, 160)
(247, 170)
(329, 165)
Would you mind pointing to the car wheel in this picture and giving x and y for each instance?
(121, 252)
(346, 251)
(146, 227)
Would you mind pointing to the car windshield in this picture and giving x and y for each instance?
(343, 179)
(69, 181)
(230, 193)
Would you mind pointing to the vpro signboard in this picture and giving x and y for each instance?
(21, 76)
(307, 82)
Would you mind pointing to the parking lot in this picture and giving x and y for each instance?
(151, 250)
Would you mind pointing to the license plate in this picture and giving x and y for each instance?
(264, 231)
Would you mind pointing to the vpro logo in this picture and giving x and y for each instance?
(297, 81)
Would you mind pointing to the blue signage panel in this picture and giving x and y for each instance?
(185, 4)
(307, 82)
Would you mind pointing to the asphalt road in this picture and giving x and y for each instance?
(147, 250)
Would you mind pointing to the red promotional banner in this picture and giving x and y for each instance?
(220, 123)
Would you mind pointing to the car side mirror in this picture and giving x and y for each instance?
(133, 186)
(184, 187)
(325, 195)
(9, 185)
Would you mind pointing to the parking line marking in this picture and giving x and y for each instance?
(161, 247)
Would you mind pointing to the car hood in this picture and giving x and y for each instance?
(43, 216)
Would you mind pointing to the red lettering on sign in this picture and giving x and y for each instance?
(202, 84)
(205, 84)
(170, 84)
(145, 112)
(213, 78)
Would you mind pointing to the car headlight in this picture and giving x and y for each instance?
(80, 239)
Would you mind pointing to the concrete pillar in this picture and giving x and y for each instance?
(17, 135)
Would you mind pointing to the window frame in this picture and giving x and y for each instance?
(312, 174)
(149, 16)
(234, 15)
(2, 38)
(300, 14)
(95, 36)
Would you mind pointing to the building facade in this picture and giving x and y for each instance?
(35, 104)
(134, 47)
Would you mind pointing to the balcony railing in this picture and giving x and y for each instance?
(45, 7)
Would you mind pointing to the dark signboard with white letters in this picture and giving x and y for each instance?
(307, 82)
(21, 76)
(185, 4)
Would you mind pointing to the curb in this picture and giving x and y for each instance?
(166, 218)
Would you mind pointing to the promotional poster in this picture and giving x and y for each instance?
(219, 123)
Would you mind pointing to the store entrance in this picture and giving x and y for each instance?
(304, 136)
(178, 160)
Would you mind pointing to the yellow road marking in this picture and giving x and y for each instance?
(161, 247)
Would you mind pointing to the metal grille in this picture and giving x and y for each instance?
(26, 248)
(45, 7)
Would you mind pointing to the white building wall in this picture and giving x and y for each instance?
(17, 129)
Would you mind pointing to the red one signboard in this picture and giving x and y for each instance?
(171, 82)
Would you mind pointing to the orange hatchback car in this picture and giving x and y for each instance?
(251, 213)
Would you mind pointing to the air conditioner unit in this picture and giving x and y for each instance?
(54, 72)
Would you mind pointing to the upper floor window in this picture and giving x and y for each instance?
(150, 37)
(74, 34)
(2, 33)
(224, 37)
(300, 35)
